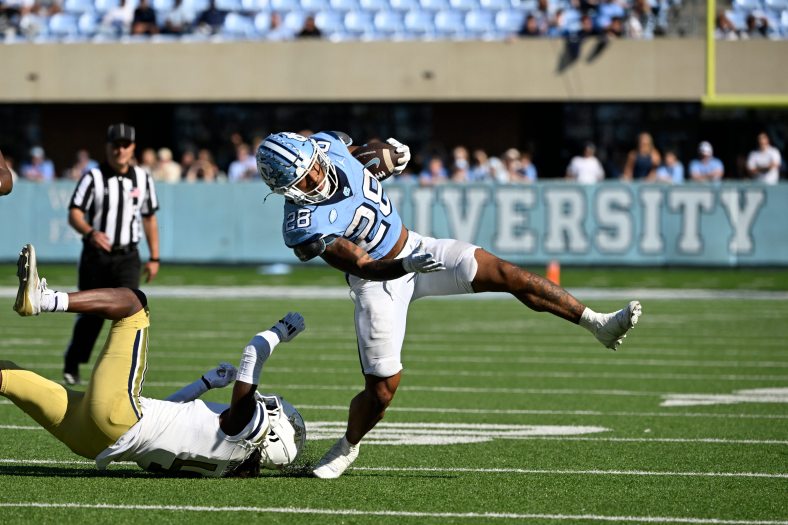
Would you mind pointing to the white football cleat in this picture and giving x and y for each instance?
(336, 460)
(28, 297)
(611, 329)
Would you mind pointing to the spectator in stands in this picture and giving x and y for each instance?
(481, 169)
(544, 13)
(641, 22)
(519, 167)
(726, 30)
(144, 21)
(187, 161)
(460, 167)
(642, 162)
(607, 10)
(166, 170)
(244, 167)
(434, 172)
(558, 27)
(210, 21)
(278, 31)
(757, 25)
(179, 20)
(82, 163)
(706, 168)
(574, 41)
(203, 168)
(148, 160)
(9, 18)
(117, 21)
(40, 168)
(530, 27)
(586, 168)
(310, 29)
(672, 171)
(763, 164)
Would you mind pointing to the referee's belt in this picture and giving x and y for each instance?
(123, 250)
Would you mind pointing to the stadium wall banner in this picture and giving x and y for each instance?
(608, 224)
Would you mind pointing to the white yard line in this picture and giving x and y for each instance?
(393, 513)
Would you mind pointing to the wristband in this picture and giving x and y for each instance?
(87, 235)
(154, 259)
(205, 382)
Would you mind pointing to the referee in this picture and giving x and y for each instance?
(110, 206)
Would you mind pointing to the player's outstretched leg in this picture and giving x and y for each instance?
(536, 292)
(33, 296)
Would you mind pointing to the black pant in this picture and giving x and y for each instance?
(99, 269)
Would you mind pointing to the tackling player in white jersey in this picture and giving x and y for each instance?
(337, 209)
(111, 421)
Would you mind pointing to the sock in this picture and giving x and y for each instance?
(589, 320)
(255, 354)
(52, 301)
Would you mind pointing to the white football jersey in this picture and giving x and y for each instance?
(176, 437)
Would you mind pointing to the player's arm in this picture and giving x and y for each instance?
(151, 226)
(255, 354)
(218, 377)
(6, 179)
(349, 258)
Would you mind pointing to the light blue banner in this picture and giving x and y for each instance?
(612, 224)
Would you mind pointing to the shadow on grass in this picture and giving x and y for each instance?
(60, 472)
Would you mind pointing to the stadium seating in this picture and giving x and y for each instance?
(387, 19)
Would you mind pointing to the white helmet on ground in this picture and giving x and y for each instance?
(286, 435)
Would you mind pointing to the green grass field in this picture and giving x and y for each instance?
(482, 375)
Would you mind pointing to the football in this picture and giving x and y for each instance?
(378, 157)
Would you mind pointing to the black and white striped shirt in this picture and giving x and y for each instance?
(115, 203)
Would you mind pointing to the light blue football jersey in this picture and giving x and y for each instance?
(360, 211)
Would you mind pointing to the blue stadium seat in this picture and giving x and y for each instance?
(282, 5)
(388, 22)
(495, 5)
(162, 6)
(509, 21)
(344, 5)
(479, 22)
(315, 6)
(464, 5)
(374, 5)
(195, 6)
(450, 23)
(254, 6)
(420, 23)
(737, 18)
(237, 25)
(404, 5)
(262, 22)
(748, 5)
(63, 25)
(78, 6)
(357, 22)
(777, 5)
(102, 6)
(294, 20)
(784, 23)
(572, 20)
(525, 5)
(87, 24)
(228, 5)
(435, 5)
(330, 22)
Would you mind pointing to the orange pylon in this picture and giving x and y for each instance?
(554, 272)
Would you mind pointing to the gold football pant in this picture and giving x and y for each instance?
(88, 422)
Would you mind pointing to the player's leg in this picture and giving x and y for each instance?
(48, 403)
(380, 318)
(497, 275)
(33, 296)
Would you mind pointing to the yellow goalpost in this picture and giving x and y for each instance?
(712, 98)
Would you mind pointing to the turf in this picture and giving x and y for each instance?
(485, 363)
(321, 275)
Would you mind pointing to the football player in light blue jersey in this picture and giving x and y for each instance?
(336, 209)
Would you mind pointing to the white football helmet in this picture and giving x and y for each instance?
(286, 434)
(284, 159)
